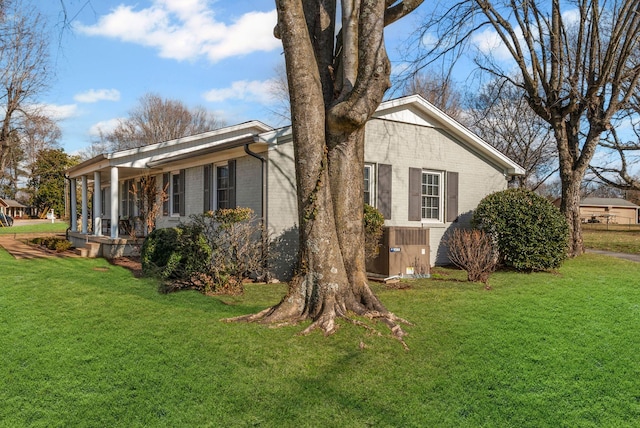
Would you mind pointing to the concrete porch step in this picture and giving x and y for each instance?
(90, 250)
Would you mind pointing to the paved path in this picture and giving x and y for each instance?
(17, 248)
(625, 256)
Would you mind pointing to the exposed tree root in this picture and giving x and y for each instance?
(326, 322)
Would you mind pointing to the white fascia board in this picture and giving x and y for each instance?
(251, 128)
(90, 166)
(272, 137)
(142, 162)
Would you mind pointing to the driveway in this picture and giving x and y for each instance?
(625, 256)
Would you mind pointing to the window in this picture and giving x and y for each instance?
(222, 187)
(430, 192)
(431, 195)
(368, 185)
(176, 194)
(127, 198)
(174, 185)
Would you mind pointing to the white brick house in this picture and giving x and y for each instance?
(422, 169)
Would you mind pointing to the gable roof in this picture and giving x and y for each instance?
(607, 202)
(415, 109)
(11, 203)
(411, 109)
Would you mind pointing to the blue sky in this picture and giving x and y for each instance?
(217, 54)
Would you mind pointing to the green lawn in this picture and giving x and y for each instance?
(58, 226)
(623, 239)
(84, 343)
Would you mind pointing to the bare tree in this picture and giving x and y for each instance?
(38, 133)
(438, 89)
(577, 67)
(156, 119)
(24, 70)
(335, 85)
(500, 115)
(622, 147)
(279, 91)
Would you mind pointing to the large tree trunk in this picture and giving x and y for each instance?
(331, 100)
(570, 207)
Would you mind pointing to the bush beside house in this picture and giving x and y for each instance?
(530, 232)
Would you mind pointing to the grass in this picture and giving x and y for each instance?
(622, 239)
(86, 344)
(47, 227)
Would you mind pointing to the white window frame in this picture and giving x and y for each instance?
(216, 184)
(371, 188)
(172, 176)
(440, 196)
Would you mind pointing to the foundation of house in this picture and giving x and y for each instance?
(104, 246)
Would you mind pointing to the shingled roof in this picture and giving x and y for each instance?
(607, 202)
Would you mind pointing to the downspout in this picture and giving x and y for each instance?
(263, 197)
(263, 166)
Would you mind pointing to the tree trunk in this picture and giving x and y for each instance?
(570, 207)
(329, 112)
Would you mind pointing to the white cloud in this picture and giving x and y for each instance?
(571, 17)
(255, 90)
(187, 29)
(104, 127)
(54, 111)
(95, 95)
(489, 42)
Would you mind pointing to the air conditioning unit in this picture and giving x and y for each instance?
(404, 251)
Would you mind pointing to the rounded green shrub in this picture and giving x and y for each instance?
(530, 232)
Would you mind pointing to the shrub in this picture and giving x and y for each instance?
(212, 253)
(176, 254)
(239, 246)
(530, 232)
(373, 225)
(229, 216)
(157, 249)
(473, 251)
(53, 243)
(62, 245)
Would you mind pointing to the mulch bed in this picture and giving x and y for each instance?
(132, 263)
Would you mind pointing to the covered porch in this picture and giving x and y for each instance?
(107, 190)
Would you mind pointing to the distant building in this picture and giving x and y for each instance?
(12, 208)
(608, 210)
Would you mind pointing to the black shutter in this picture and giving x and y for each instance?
(415, 194)
(452, 197)
(232, 183)
(384, 190)
(165, 194)
(207, 180)
(181, 191)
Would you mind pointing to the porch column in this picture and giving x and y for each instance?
(73, 221)
(97, 205)
(115, 205)
(85, 207)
